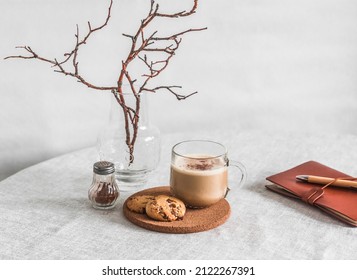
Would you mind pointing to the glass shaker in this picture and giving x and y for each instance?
(104, 191)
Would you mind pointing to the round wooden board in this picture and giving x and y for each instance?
(195, 220)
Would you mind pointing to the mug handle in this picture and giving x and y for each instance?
(243, 172)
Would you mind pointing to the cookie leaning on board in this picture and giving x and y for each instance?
(161, 208)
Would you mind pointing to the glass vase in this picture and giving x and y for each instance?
(112, 146)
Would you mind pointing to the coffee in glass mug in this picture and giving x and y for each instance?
(199, 172)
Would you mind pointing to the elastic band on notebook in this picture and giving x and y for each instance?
(314, 194)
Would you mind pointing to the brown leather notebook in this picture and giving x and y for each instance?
(338, 202)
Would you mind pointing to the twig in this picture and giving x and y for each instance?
(141, 46)
(170, 89)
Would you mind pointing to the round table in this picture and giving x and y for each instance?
(45, 212)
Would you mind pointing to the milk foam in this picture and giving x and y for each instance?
(199, 165)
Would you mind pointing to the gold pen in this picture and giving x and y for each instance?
(325, 180)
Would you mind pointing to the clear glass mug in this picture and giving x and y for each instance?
(199, 172)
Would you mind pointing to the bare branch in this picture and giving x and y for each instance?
(129, 36)
(90, 32)
(154, 51)
(181, 14)
(171, 90)
(33, 55)
(72, 54)
(171, 37)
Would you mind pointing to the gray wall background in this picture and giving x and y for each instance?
(261, 65)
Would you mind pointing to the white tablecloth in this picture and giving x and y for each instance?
(45, 212)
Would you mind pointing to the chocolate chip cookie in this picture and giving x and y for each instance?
(138, 203)
(165, 208)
